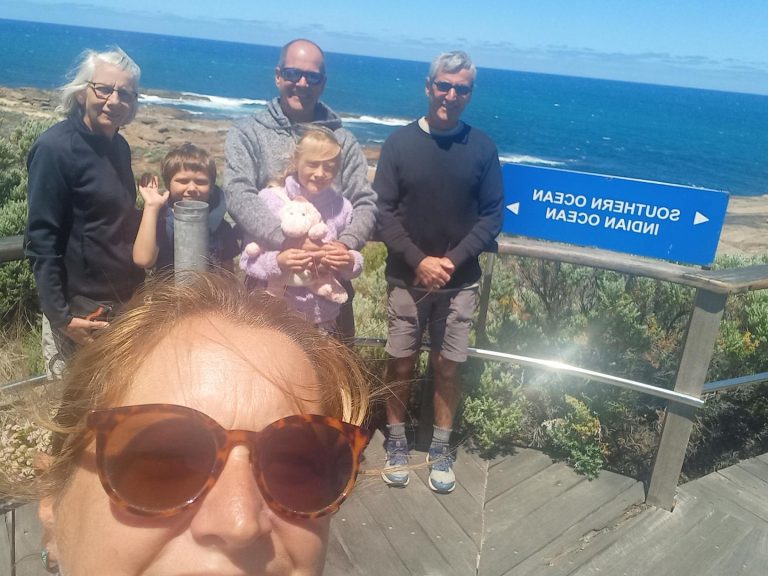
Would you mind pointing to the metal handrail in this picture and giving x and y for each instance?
(729, 383)
(24, 383)
(557, 366)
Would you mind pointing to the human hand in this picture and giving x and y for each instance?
(337, 256)
(81, 330)
(316, 252)
(294, 260)
(433, 273)
(309, 245)
(148, 188)
(447, 265)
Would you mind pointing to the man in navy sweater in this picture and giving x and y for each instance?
(440, 200)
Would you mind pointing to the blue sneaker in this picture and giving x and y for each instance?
(441, 476)
(395, 471)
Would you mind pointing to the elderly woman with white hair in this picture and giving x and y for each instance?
(82, 217)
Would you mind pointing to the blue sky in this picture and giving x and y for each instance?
(719, 44)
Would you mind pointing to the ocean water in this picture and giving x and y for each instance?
(683, 136)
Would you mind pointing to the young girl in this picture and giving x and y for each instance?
(189, 173)
(310, 177)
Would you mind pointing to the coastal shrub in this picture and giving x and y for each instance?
(370, 306)
(625, 325)
(577, 437)
(21, 443)
(732, 426)
(493, 407)
(635, 328)
(742, 344)
(18, 297)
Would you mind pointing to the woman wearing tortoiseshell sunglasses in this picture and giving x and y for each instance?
(206, 430)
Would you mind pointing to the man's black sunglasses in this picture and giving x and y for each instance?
(295, 74)
(461, 89)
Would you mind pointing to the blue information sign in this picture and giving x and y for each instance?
(665, 221)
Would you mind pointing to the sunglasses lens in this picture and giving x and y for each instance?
(305, 467)
(290, 74)
(461, 89)
(157, 462)
(313, 78)
(295, 74)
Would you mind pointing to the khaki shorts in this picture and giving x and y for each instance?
(446, 314)
(55, 362)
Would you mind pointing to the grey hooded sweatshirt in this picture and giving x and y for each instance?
(257, 151)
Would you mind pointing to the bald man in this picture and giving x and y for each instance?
(259, 147)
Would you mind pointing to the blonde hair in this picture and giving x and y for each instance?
(102, 372)
(314, 142)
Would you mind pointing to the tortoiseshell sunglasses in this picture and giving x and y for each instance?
(157, 459)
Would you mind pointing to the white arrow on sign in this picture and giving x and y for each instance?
(699, 218)
(514, 208)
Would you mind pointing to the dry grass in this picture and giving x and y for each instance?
(20, 439)
(20, 351)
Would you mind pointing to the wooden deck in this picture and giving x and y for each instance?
(524, 515)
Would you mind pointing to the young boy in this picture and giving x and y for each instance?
(189, 173)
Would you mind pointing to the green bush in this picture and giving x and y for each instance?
(619, 324)
(18, 297)
(370, 306)
(577, 437)
(732, 426)
(494, 408)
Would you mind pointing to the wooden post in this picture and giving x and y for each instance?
(697, 353)
(481, 337)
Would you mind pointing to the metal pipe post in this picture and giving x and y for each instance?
(190, 235)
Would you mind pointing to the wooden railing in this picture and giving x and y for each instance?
(712, 290)
(11, 248)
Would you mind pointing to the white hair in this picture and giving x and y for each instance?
(83, 74)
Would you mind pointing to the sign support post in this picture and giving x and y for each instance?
(691, 375)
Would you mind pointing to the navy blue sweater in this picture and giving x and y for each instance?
(438, 196)
(82, 219)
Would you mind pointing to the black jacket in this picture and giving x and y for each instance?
(82, 219)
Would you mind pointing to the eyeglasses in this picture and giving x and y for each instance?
(295, 74)
(158, 459)
(104, 91)
(461, 89)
